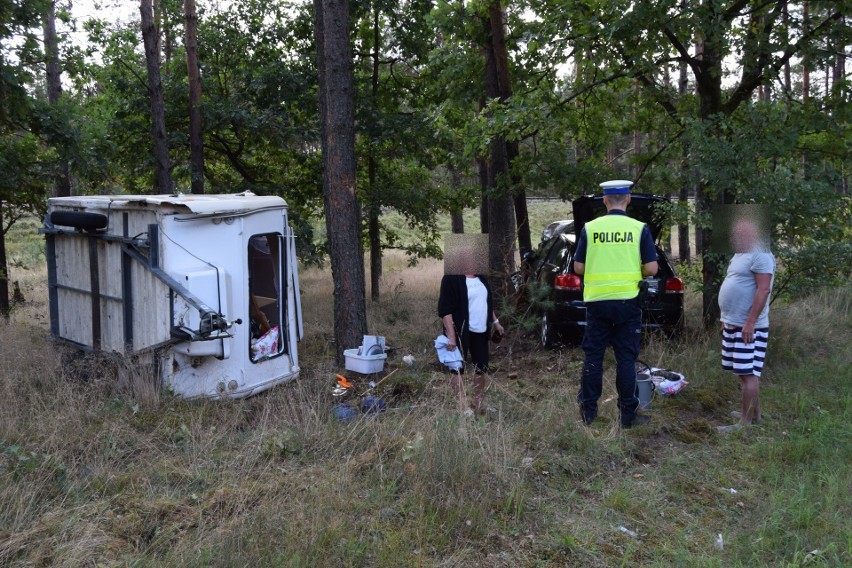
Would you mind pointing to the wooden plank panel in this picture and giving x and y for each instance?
(72, 262)
(112, 310)
(112, 325)
(109, 261)
(151, 309)
(73, 281)
(75, 316)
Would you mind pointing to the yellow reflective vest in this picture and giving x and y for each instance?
(613, 261)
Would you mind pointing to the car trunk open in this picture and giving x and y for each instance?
(643, 207)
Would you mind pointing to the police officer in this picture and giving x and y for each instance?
(613, 253)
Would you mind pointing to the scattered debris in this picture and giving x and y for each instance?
(720, 542)
(344, 412)
(628, 532)
(343, 381)
(411, 447)
(373, 405)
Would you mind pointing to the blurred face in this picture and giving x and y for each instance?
(744, 235)
(466, 254)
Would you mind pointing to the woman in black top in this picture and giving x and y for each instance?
(466, 309)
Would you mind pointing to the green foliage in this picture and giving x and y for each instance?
(25, 170)
(590, 80)
(21, 462)
(810, 218)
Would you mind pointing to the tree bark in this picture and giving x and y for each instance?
(683, 247)
(806, 70)
(839, 70)
(375, 200)
(4, 270)
(708, 84)
(53, 78)
(519, 202)
(504, 87)
(165, 25)
(196, 148)
(501, 218)
(337, 126)
(162, 164)
(482, 168)
(456, 217)
(785, 19)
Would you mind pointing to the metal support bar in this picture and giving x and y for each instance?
(95, 283)
(52, 291)
(49, 229)
(211, 320)
(154, 246)
(127, 285)
(87, 292)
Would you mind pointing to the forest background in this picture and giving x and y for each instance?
(452, 105)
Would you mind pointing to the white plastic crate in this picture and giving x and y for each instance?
(364, 364)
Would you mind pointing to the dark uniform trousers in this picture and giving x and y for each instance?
(617, 323)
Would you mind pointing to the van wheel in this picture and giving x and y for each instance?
(79, 220)
(549, 337)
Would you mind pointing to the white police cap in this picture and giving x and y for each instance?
(616, 186)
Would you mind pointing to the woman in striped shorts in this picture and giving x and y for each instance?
(743, 301)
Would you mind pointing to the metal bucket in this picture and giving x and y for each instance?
(644, 390)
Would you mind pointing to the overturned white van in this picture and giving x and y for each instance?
(205, 285)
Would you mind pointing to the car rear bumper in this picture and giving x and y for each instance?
(571, 317)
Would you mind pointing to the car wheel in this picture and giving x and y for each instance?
(548, 334)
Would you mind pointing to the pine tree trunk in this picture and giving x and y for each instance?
(482, 168)
(162, 165)
(336, 93)
(501, 218)
(375, 199)
(683, 247)
(196, 148)
(53, 78)
(456, 217)
(788, 81)
(709, 91)
(4, 270)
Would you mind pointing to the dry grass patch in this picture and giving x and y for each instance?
(99, 467)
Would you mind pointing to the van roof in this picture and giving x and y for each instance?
(189, 203)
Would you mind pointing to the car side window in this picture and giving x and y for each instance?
(558, 252)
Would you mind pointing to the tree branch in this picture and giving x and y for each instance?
(233, 157)
(135, 74)
(748, 85)
(657, 154)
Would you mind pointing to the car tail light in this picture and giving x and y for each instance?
(568, 282)
(674, 286)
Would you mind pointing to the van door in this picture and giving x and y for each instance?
(267, 279)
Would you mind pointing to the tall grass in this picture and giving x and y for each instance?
(98, 468)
